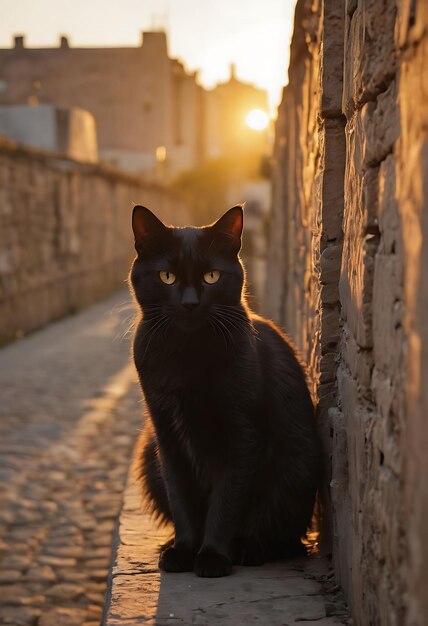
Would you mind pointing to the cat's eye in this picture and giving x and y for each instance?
(167, 277)
(212, 277)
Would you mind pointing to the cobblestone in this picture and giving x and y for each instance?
(68, 419)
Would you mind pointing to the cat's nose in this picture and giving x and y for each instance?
(189, 299)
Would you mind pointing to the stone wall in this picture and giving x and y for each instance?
(348, 249)
(65, 234)
(306, 234)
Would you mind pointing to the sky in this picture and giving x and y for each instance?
(207, 35)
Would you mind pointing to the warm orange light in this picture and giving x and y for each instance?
(160, 154)
(257, 119)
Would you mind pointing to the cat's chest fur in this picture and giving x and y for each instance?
(194, 399)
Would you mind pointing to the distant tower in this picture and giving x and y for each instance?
(155, 44)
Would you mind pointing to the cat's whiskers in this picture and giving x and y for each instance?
(227, 331)
(151, 308)
(154, 321)
(131, 323)
(127, 305)
(215, 325)
(238, 320)
(243, 327)
(165, 329)
(236, 326)
(212, 324)
(154, 330)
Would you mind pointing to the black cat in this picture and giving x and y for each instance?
(230, 452)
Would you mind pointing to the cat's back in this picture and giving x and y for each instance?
(274, 345)
(280, 363)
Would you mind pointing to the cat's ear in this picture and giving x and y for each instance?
(146, 226)
(230, 225)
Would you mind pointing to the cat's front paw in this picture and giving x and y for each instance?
(177, 559)
(211, 564)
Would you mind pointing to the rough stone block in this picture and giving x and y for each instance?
(332, 179)
(330, 263)
(370, 55)
(355, 288)
(381, 126)
(387, 291)
(330, 329)
(370, 200)
(331, 59)
(389, 219)
(328, 368)
(412, 23)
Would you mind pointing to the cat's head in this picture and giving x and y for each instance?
(188, 274)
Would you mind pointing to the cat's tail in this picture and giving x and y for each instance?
(148, 473)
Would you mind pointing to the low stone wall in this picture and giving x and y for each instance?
(65, 234)
(348, 258)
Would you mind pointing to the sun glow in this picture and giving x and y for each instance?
(257, 119)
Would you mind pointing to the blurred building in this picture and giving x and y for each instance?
(226, 109)
(152, 116)
(70, 132)
(257, 196)
(147, 108)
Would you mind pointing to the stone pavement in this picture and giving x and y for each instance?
(69, 415)
(280, 594)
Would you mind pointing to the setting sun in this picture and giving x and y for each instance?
(257, 119)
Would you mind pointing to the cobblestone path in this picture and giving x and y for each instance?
(69, 414)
